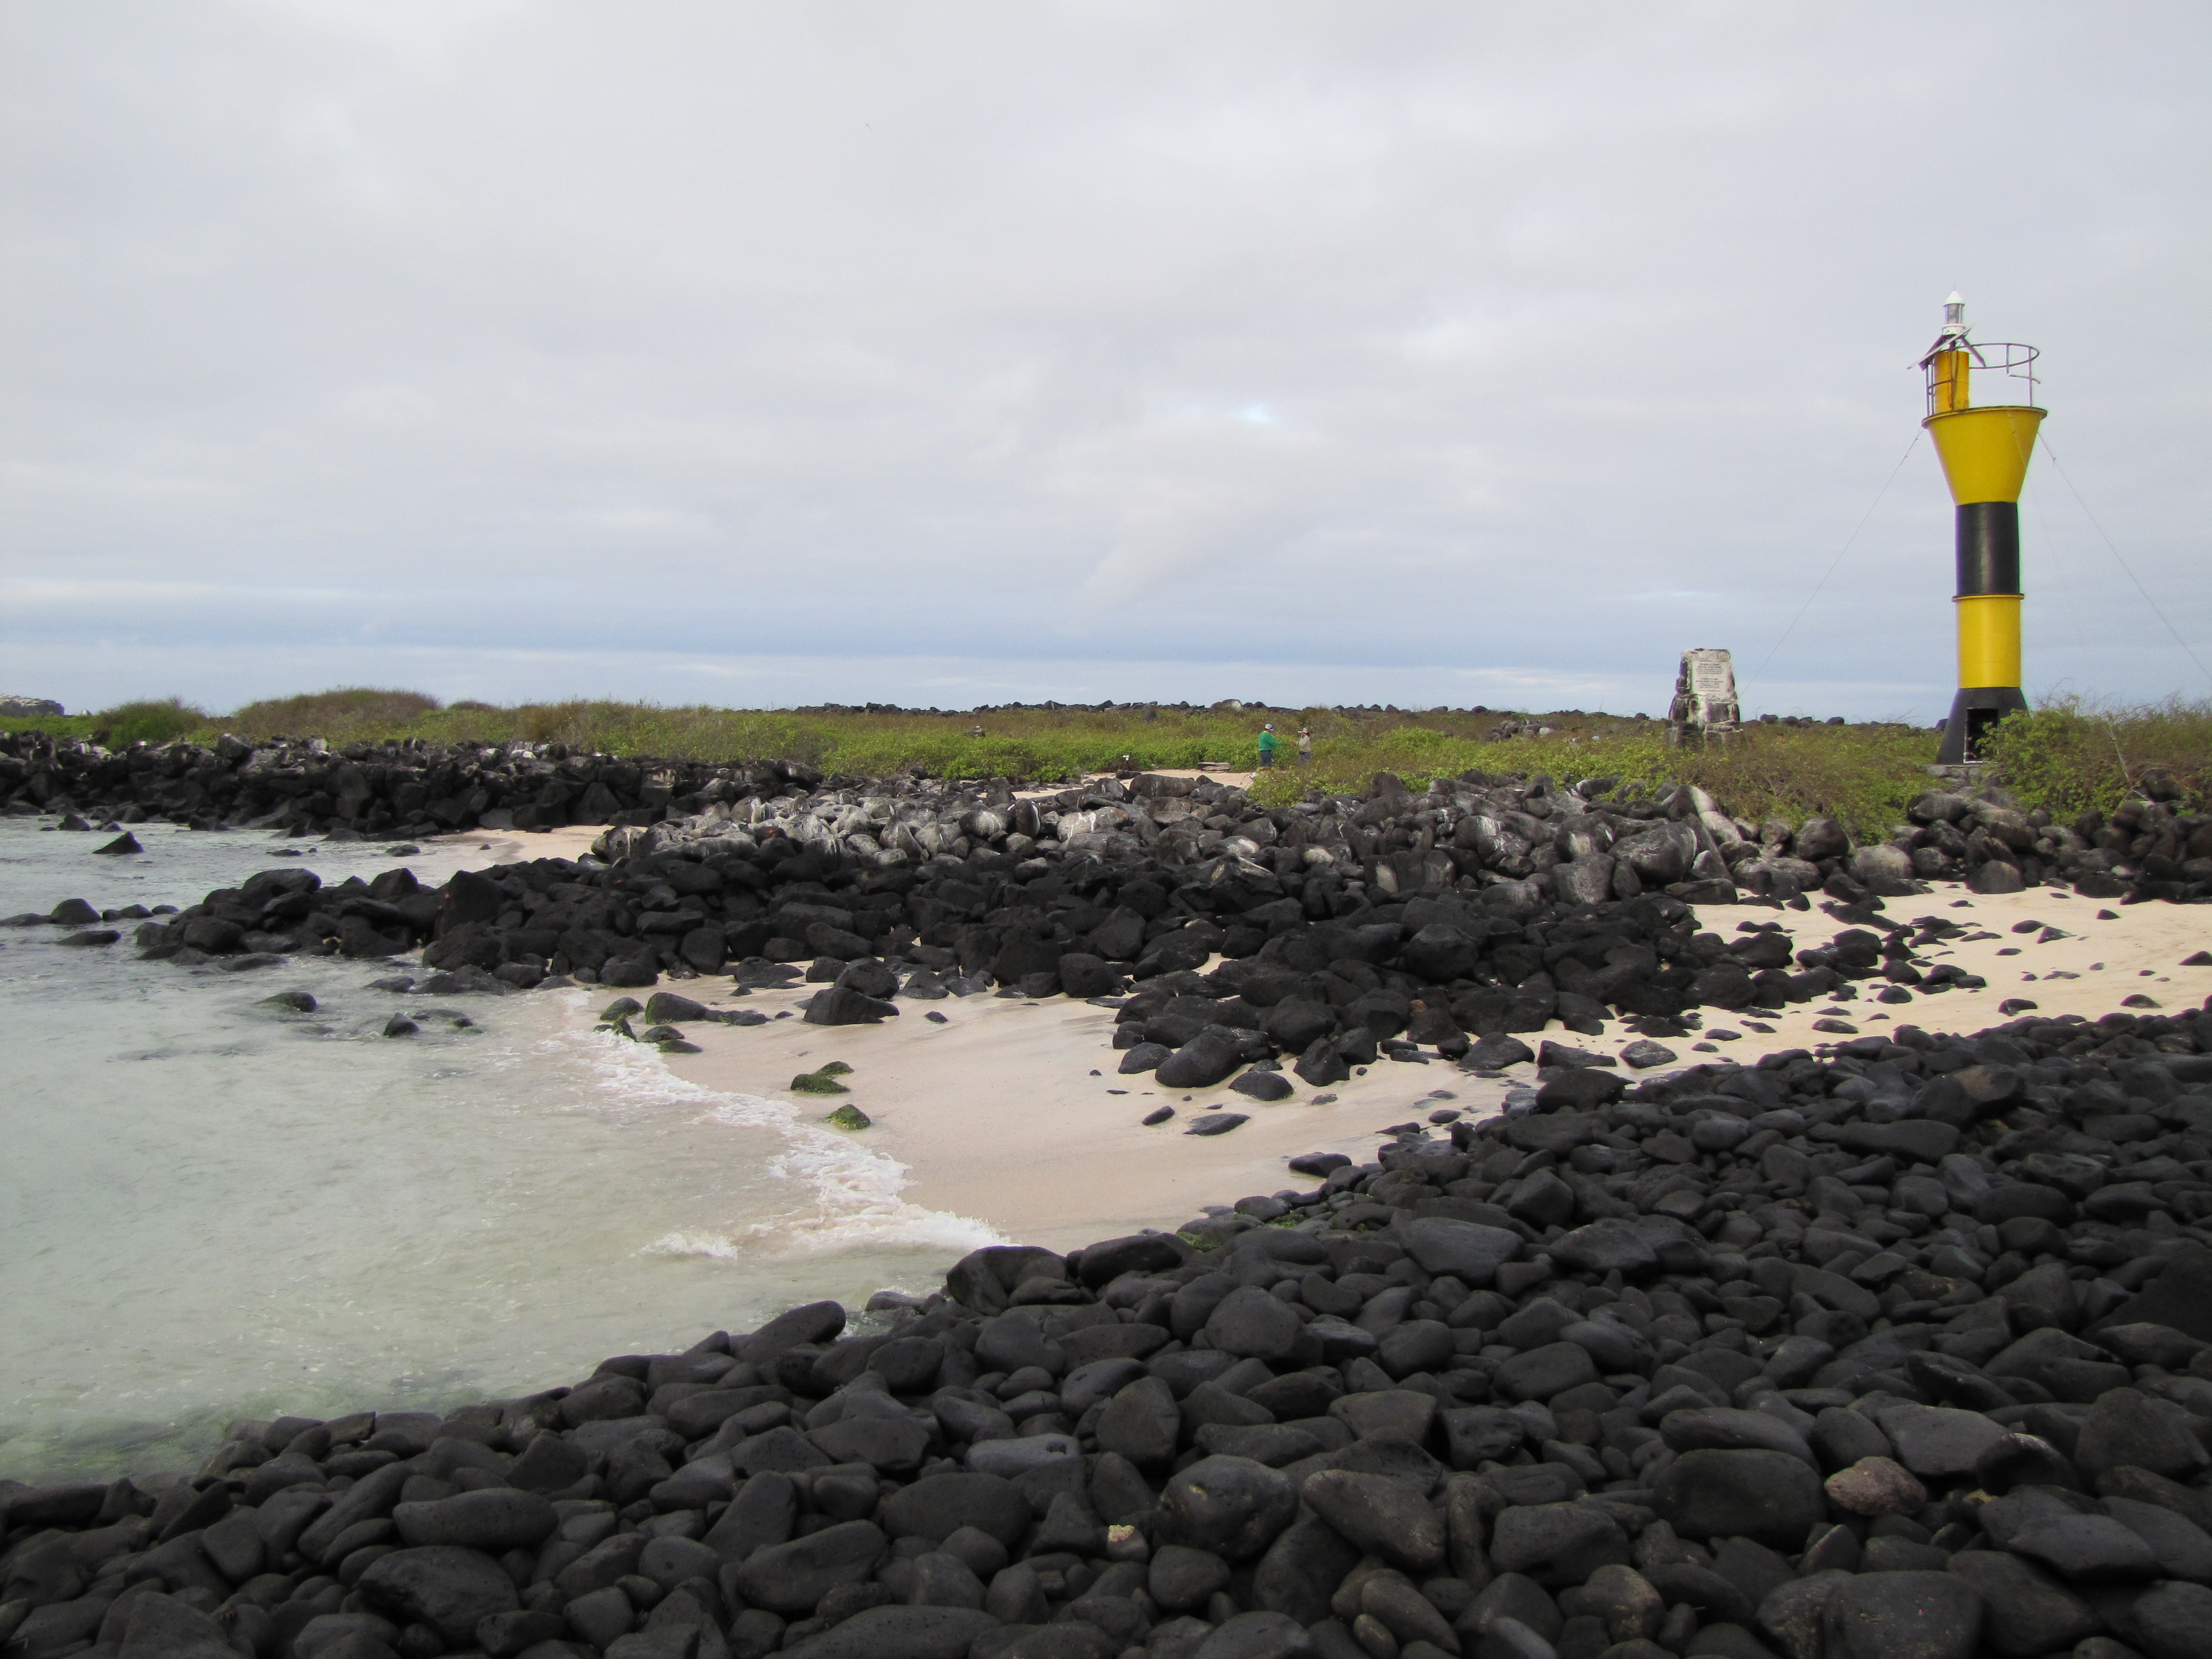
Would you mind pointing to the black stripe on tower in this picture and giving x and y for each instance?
(1988, 548)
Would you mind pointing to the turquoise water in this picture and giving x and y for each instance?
(212, 1208)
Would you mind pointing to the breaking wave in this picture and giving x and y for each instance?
(851, 1192)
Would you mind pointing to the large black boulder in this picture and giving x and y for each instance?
(841, 1004)
(1141, 1423)
(2171, 1621)
(890, 1445)
(937, 1505)
(1440, 953)
(1251, 1323)
(1231, 1506)
(2181, 1297)
(1467, 1250)
(1263, 1085)
(2025, 1612)
(441, 1585)
(912, 1632)
(493, 1518)
(1082, 975)
(1905, 1615)
(2127, 1428)
(1542, 1372)
(1298, 1023)
(1556, 1544)
(1580, 1089)
(790, 1578)
(1298, 1574)
(1321, 1065)
(1204, 1061)
(1379, 1515)
(811, 1322)
(163, 1627)
(1137, 1252)
(985, 1279)
(1771, 1496)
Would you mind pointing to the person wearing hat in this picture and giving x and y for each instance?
(1305, 745)
(1269, 743)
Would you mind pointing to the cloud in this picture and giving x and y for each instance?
(1501, 353)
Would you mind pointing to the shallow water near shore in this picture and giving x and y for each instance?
(212, 1208)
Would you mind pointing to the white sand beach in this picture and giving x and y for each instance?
(2111, 952)
(1011, 1112)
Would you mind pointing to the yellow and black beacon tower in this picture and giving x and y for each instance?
(1984, 431)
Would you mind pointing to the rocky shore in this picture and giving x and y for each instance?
(1479, 908)
(387, 791)
(1474, 826)
(1906, 1351)
(1903, 1348)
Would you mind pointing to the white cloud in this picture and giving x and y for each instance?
(1502, 352)
(390, 405)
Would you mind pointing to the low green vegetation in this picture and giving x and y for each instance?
(2073, 755)
(346, 716)
(146, 721)
(2066, 756)
(1862, 775)
(1042, 744)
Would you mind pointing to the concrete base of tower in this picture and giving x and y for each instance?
(1973, 711)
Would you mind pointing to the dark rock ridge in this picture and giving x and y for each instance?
(394, 789)
(1351, 928)
(1621, 842)
(1904, 1352)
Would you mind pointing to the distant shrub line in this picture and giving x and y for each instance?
(2068, 756)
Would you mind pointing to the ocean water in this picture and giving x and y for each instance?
(212, 1208)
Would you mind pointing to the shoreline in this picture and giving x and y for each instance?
(997, 1119)
(1805, 1345)
(994, 1117)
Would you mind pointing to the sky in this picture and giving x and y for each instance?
(948, 354)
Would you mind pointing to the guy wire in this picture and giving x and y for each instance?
(2113, 548)
(1835, 563)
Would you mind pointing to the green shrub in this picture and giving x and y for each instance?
(1862, 775)
(146, 721)
(2072, 755)
(347, 714)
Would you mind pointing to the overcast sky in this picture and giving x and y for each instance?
(940, 354)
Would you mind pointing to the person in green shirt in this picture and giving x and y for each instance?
(1269, 743)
